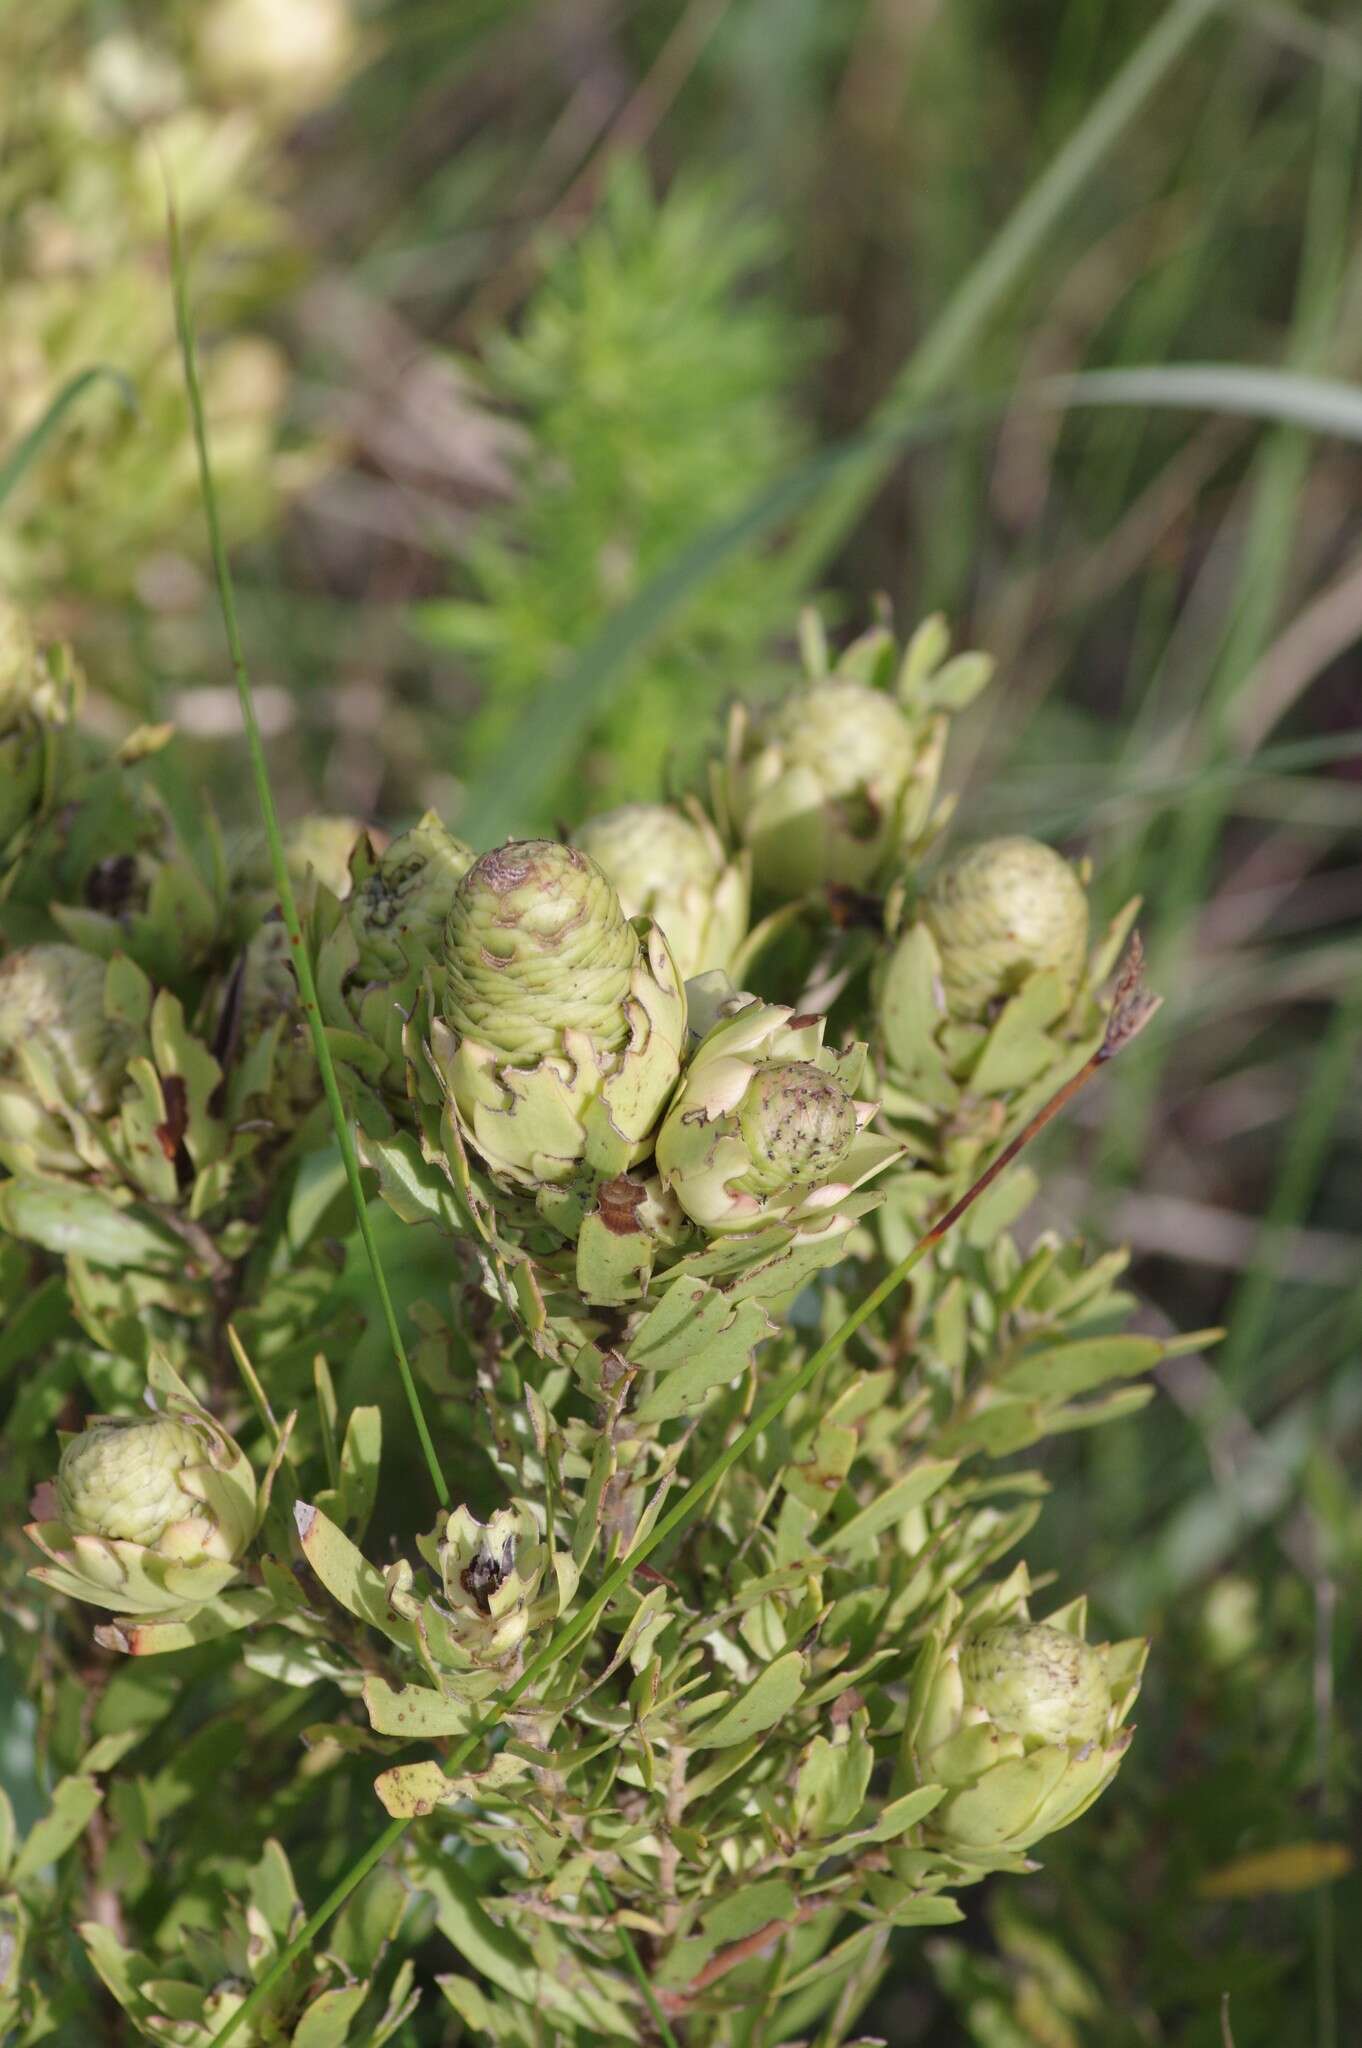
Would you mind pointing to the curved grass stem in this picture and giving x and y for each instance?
(287, 901)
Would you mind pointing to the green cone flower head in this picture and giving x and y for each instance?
(816, 786)
(153, 1511)
(765, 1127)
(59, 1052)
(1021, 1722)
(121, 1478)
(32, 709)
(398, 912)
(490, 1572)
(669, 864)
(564, 1023)
(1000, 912)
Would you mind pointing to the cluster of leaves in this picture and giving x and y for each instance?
(821, 1713)
(630, 453)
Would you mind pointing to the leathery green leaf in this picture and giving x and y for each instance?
(770, 1696)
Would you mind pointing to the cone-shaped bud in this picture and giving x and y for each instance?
(765, 1127)
(1037, 1682)
(563, 1023)
(154, 1511)
(798, 1124)
(121, 1478)
(1000, 912)
(816, 786)
(670, 865)
(399, 911)
(538, 945)
(1021, 1722)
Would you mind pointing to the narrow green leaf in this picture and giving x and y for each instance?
(29, 447)
(282, 880)
(73, 1803)
(915, 1487)
(767, 1700)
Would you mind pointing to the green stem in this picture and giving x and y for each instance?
(301, 958)
(637, 1971)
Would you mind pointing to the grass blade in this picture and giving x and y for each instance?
(29, 446)
(283, 883)
(512, 790)
(938, 358)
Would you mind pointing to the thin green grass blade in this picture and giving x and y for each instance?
(638, 1973)
(1310, 1139)
(25, 452)
(937, 360)
(283, 883)
(511, 792)
(1251, 615)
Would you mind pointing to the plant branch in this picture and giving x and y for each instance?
(1131, 1010)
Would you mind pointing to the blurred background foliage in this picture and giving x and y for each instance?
(508, 310)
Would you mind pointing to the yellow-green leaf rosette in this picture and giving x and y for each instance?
(816, 786)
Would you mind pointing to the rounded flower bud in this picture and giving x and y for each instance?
(1036, 1682)
(816, 786)
(55, 994)
(154, 1510)
(1001, 912)
(798, 1124)
(1022, 1724)
(399, 911)
(671, 866)
(563, 1023)
(121, 1479)
(765, 1127)
(537, 945)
